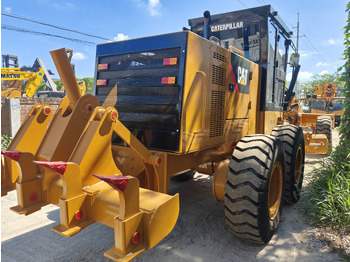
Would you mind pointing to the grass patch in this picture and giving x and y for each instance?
(328, 196)
(5, 141)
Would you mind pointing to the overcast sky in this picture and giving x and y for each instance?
(321, 27)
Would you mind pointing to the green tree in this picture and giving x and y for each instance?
(89, 82)
(345, 77)
(58, 84)
(308, 87)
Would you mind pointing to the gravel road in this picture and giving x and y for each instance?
(200, 233)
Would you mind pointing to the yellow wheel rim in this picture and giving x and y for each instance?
(275, 190)
(298, 165)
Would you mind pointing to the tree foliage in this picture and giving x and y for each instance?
(89, 82)
(58, 84)
(308, 87)
(345, 76)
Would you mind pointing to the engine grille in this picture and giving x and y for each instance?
(217, 113)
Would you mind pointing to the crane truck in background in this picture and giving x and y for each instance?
(210, 99)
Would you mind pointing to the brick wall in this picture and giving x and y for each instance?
(26, 104)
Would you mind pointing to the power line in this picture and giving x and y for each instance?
(23, 30)
(51, 25)
(306, 44)
(318, 53)
(242, 3)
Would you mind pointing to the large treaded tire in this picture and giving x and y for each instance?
(324, 126)
(292, 138)
(254, 188)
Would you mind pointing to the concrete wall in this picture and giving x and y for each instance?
(15, 110)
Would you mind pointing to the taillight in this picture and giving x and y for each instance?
(102, 66)
(101, 82)
(170, 61)
(168, 80)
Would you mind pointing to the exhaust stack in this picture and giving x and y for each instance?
(207, 22)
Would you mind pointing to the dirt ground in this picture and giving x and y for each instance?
(200, 233)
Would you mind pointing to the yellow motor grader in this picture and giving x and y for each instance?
(326, 110)
(208, 99)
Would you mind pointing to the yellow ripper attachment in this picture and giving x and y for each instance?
(71, 157)
(27, 139)
(315, 143)
(140, 217)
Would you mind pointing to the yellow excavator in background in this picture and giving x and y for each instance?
(12, 77)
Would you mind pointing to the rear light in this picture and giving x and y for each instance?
(101, 82)
(168, 80)
(102, 66)
(170, 61)
(118, 182)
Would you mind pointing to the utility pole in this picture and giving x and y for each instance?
(297, 35)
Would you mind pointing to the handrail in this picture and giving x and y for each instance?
(215, 39)
(236, 50)
(203, 100)
(203, 106)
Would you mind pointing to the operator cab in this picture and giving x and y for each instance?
(264, 39)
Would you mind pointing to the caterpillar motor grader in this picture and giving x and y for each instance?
(208, 99)
(327, 99)
(326, 110)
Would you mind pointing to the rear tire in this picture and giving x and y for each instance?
(324, 126)
(254, 188)
(292, 138)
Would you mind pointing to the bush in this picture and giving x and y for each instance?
(328, 197)
(5, 141)
(345, 122)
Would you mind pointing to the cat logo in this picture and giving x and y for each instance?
(239, 71)
(242, 76)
